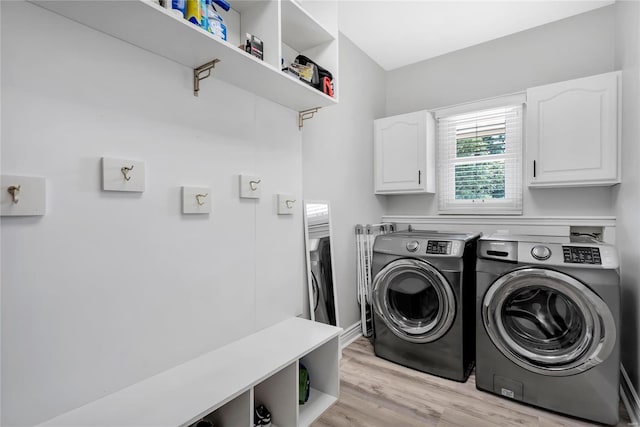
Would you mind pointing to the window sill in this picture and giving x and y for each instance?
(514, 224)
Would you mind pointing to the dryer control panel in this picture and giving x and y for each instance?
(581, 255)
(438, 247)
(423, 244)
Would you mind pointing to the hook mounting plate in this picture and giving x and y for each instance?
(22, 195)
(286, 204)
(250, 186)
(196, 200)
(123, 175)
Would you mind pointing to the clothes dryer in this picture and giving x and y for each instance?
(423, 301)
(548, 315)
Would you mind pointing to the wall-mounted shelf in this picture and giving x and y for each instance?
(300, 30)
(153, 28)
(304, 34)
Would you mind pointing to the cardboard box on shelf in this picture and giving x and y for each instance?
(254, 46)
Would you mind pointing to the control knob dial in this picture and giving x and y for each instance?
(541, 252)
(413, 246)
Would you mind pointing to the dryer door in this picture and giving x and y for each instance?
(414, 300)
(548, 322)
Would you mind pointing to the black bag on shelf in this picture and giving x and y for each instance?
(303, 60)
(320, 75)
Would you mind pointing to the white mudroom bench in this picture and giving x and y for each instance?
(226, 384)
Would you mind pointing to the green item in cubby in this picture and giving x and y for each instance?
(303, 389)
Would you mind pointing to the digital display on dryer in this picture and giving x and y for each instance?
(438, 247)
(581, 255)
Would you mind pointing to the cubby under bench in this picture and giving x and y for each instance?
(225, 385)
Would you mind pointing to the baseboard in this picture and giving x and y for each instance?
(349, 335)
(629, 397)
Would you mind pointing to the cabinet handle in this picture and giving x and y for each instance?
(419, 177)
(534, 168)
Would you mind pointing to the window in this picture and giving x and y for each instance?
(480, 160)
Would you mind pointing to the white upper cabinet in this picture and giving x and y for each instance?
(404, 154)
(284, 26)
(573, 132)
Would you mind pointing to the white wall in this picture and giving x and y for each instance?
(575, 47)
(626, 194)
(109, 288)
(1, 376)
(337, 151)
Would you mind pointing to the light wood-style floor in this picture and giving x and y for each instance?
(376, 392)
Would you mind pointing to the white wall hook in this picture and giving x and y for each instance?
(286, 204)
(249, 188)
(116, 177)
(196, 200)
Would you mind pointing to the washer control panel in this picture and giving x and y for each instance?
(550, 251)
(439, 247)
(581, 255)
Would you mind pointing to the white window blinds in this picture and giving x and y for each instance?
(480, 162)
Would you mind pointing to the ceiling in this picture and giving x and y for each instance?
(395, 33)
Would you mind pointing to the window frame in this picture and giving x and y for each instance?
(512, 202)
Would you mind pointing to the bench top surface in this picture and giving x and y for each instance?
(175, 396)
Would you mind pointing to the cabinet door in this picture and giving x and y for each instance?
(401, 148)
(573, 132)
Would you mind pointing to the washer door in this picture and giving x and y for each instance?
(414, 300)
(548, 322)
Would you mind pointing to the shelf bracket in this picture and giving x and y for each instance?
(306, 114)
(205, 68)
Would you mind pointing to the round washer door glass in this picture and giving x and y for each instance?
(548, 322)
(414, 300)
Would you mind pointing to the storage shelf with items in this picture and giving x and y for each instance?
(164, 32)
(276, 396)
(236, 412)
(303, 35)
(324, 382)
(228, 385)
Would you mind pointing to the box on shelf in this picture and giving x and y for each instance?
(253, 45)
(303, 72)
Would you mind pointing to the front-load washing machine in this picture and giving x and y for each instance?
(423, 301)
(547, 323)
